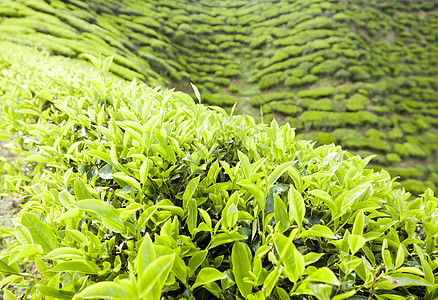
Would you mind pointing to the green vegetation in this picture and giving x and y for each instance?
(378, 57)
(132, 187)
(133, 192)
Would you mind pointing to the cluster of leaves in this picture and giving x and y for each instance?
(139, 193)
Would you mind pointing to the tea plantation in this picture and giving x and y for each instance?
(362, 74)
(130, 189)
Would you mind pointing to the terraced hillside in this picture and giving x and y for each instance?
(363, 74)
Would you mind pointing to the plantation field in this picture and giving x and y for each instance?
(218, 149)
(132, 192)
(362, 74)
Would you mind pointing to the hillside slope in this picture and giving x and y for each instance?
(362, 74)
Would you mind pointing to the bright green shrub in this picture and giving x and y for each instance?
(310, 79)
(233, 89)
(287, 107)
(258, 42)
(293, 81)
(269, 81)
(265, 98)
(317, 92)
(393, 157)
(219, 99)
(359, 73)
(357, 102)
(413, 185)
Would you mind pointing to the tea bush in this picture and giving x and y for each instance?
(139, 193)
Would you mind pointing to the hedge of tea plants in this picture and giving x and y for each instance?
(133, 192)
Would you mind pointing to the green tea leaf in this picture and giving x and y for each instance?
(23, 235)
(196, 260)
(297, 208)
(358, 224)
(25, 251)
(292, 259)
(128, 179)
(326, 198)
(225, 238)
(7, 295)
(56, 293)
(258, 194)
(103, 290)
(279, 170)
(241, 257)
(41, 233)
(318, 230)
(280, 214)
(192, 216)
(195, 89)
(207, 275)
(146, 254)
(324, 275)
(155, 275)
(65, 252)
(66, 198)
(189, 191)
(356, 242)
(79, 266)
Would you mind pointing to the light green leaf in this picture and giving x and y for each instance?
(155, 275)
(292, 259)
(278, 171)
(280, 214)
(232, 215)
(224, 238)
(196, 260)
(351, 197)
(105, 290)
(128, 179)
(358, 224)
(64, 252)
(195, 89)
(144, 170)
(66, 198)
(241, 258)
(41, 233)
(257, 193)
(326, 198)
(400, 279)
(192, 215)
(55, 293)
(356, 242)
(24, 251)
(100, 208)
(7, 295)
(318, 230)
(271, 281)
(324, 275)
(79, 266)
(189, 191)
(146, 254)
(346, 295)
(297, 208)
(23, 234)
(400, 259)
(207, 275)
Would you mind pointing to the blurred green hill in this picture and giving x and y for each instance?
(362, 74)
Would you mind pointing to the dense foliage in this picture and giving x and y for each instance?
(378, 60)
(140, 193)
